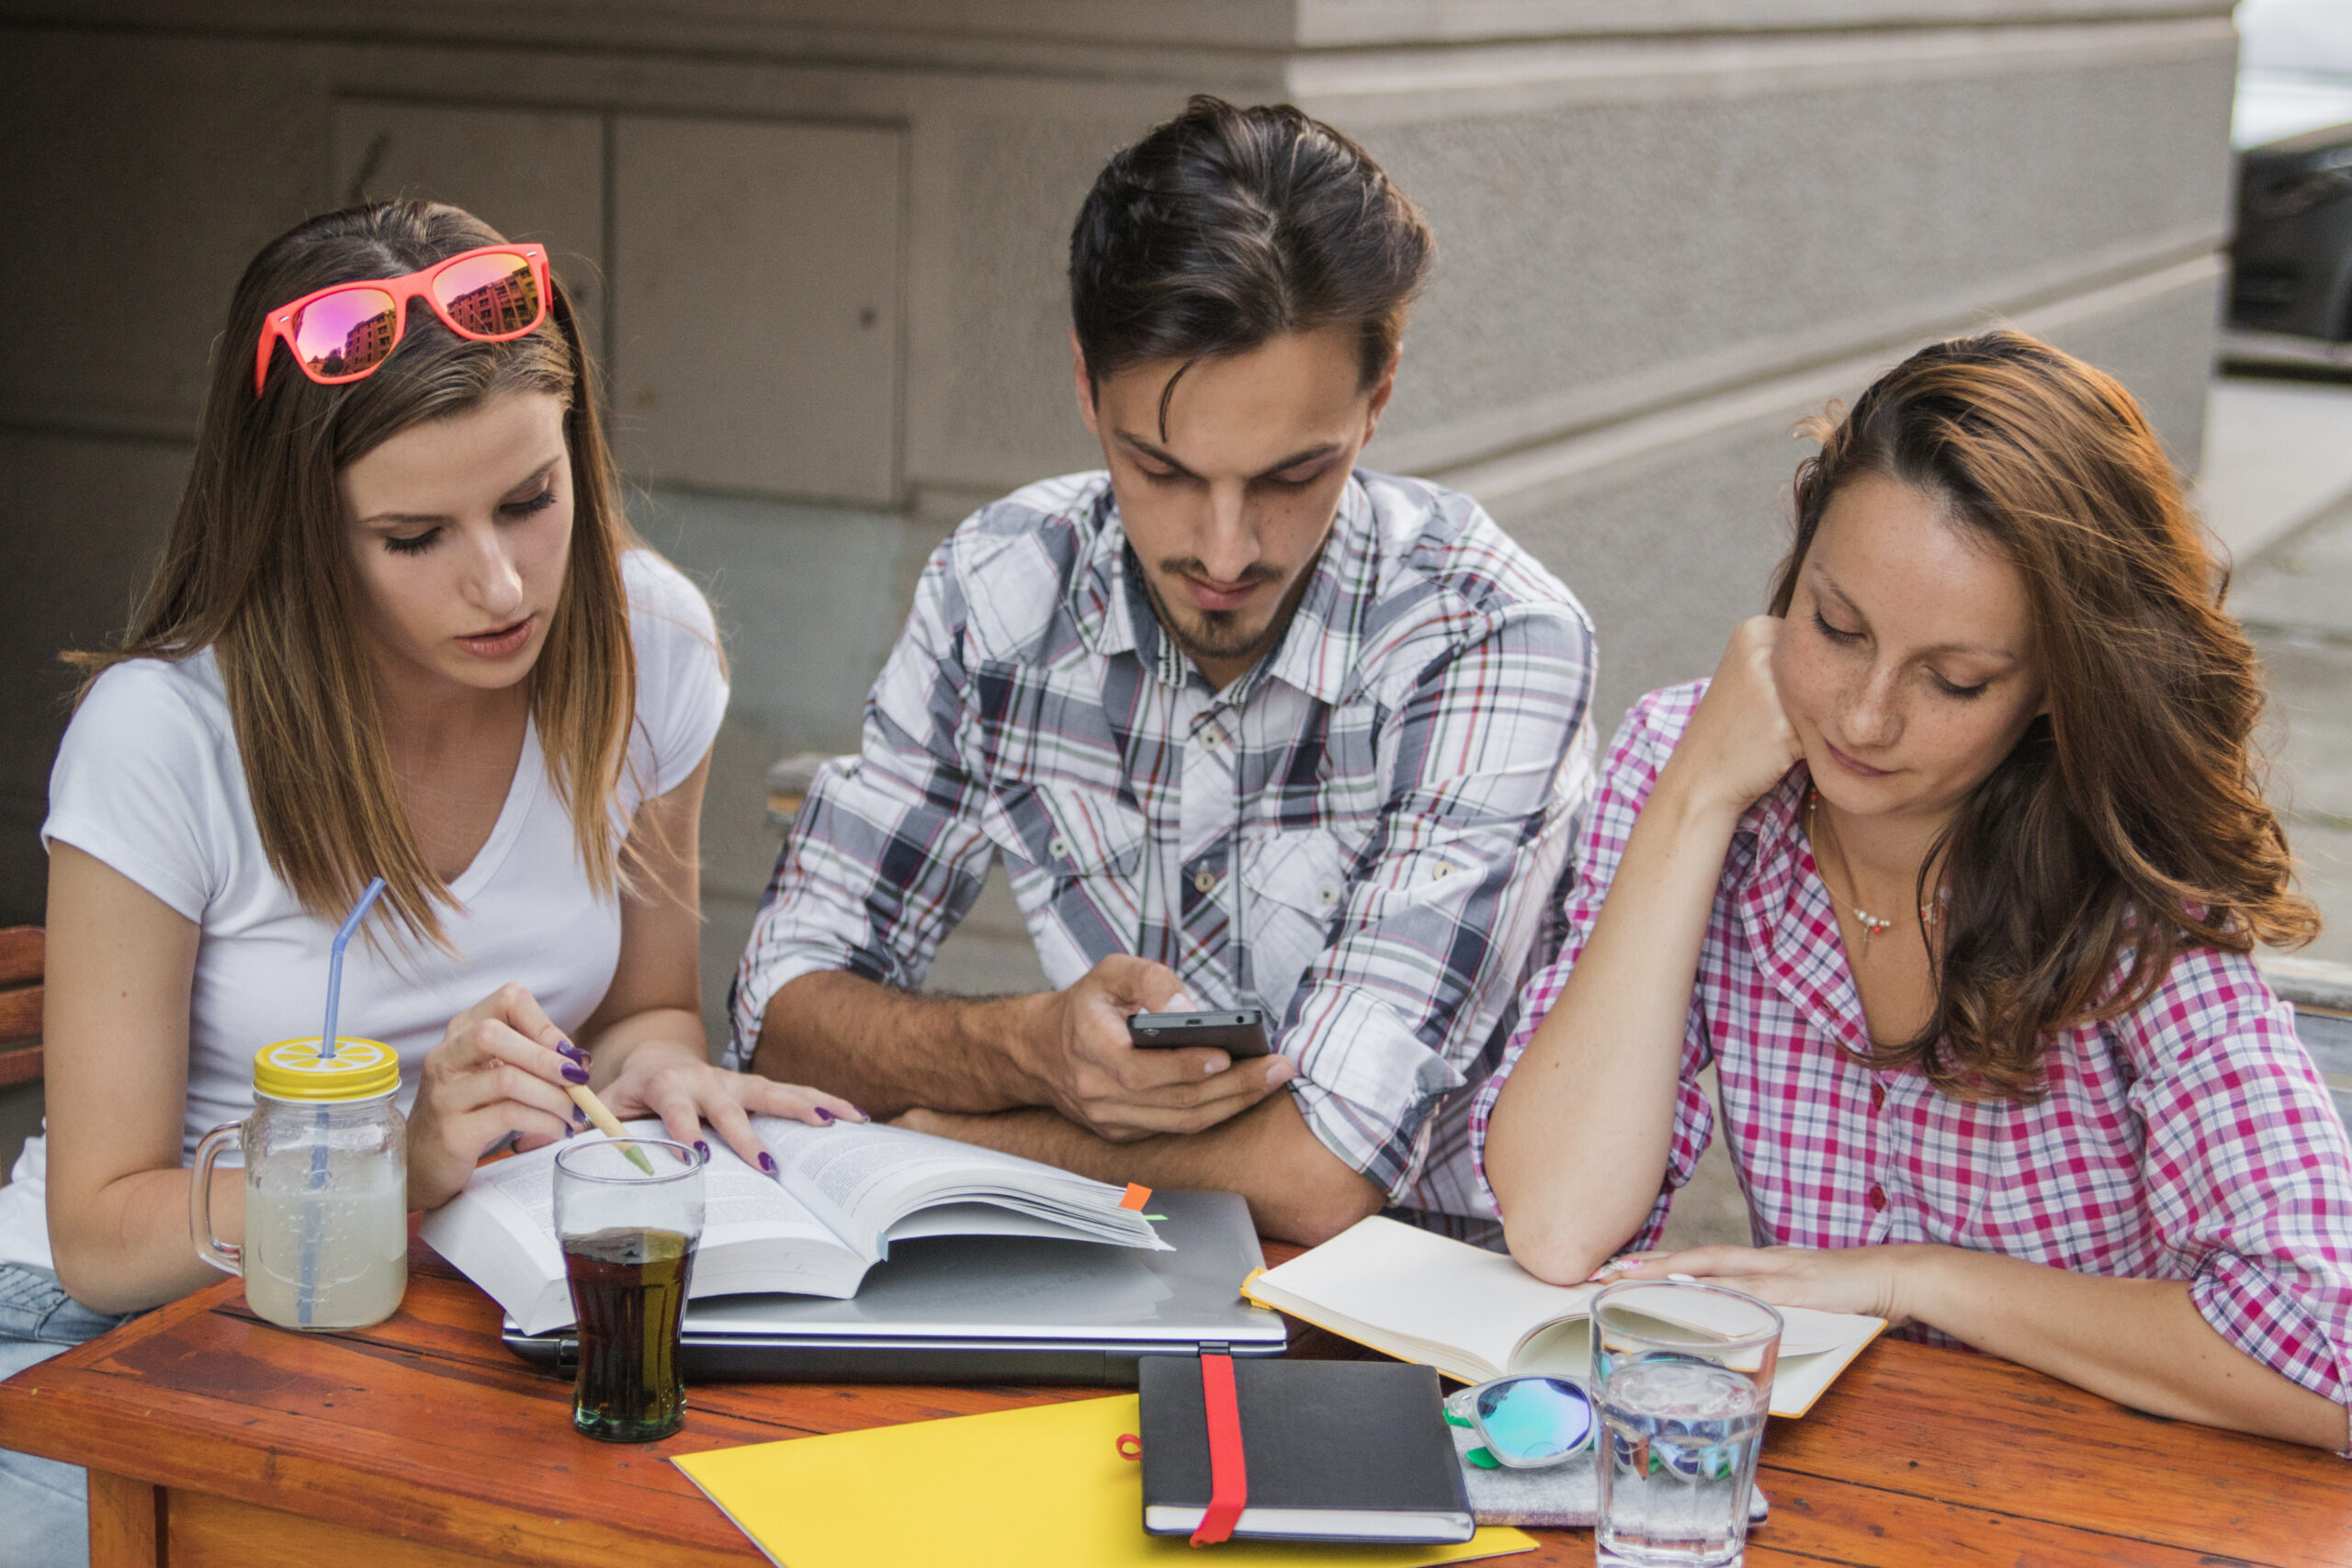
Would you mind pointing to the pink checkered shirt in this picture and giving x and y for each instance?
(2189, 1140)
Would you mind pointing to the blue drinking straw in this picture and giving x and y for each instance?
(314, 1213)
(334, 965)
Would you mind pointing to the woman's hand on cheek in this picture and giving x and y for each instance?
(500, 1067)
(671, 1080)
(1740, 742)
(1871, 1280)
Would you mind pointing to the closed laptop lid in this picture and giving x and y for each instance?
(1000, 1288)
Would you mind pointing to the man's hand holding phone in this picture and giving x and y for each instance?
(1086, 1066)
(1241, 1035)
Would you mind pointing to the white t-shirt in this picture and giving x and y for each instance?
(149, 781)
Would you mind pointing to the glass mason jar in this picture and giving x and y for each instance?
(326, 1187)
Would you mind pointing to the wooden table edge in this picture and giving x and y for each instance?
(313, 1477)
(130, 1475)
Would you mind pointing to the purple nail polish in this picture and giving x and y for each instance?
(767, 1162)
(702, 1148)
(825, 1116)
(574, 1051)
(861, 1114)
(575, 1075)
(579, 1116)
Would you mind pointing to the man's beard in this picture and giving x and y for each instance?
(1216, 634)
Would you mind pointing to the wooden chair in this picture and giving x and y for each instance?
(22, 953)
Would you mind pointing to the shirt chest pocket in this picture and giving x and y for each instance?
(1064, 830)
(1296, 883)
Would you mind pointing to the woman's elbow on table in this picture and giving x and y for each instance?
(1559, 1239)
(1554, 1254)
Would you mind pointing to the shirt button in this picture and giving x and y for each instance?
(1059, 849)
(1877, 1198)
(1443, 869)
(1878, 1095)
(1209, 739)
(1203, 880)
(1327, 896)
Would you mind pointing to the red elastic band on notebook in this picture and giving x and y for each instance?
(1228, 1470)
(1137, 1197)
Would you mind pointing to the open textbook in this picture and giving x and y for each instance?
(842, 1195)
(1475, 1315)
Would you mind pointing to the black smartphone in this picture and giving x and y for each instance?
(1240, 1034)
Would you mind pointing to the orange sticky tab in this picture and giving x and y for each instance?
(1137, 1197)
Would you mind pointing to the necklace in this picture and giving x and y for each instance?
(1873, 925)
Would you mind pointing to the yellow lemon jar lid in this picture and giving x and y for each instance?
(291, 1069)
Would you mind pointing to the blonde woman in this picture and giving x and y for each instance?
(402, 630)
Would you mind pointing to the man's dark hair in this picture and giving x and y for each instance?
(1227, 227)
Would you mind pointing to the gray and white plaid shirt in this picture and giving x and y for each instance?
(1398, 781)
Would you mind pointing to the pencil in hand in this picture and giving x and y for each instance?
(606, 1123)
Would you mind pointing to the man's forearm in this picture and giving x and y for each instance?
(886, 1051)
(1297, 1189)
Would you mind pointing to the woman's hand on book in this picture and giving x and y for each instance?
(504, 1066)
(1874, 1281)
(671, 1080)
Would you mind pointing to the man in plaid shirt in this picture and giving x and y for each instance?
(1252, 727)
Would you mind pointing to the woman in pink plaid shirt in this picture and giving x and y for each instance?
(1952, 871)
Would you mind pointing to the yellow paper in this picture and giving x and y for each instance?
(1040, 1487)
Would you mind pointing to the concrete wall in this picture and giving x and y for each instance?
(821, 243)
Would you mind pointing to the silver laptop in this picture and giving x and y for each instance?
(989, 1309)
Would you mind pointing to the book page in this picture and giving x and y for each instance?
(501, 1232)
(1475, 1315)
(861, 1180)
(741, 1203)
(974, 1219)
(1407, 1282)
(738, 1202)
(520, 1193)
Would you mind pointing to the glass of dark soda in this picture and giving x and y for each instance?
(629, 1211)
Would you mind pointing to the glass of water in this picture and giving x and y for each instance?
(1682, 1375)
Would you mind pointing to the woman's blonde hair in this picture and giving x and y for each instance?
(258, 569)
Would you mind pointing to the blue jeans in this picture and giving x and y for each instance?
(45, 1502)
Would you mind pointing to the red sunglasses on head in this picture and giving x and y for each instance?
(346, 329)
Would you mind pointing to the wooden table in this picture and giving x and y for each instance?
(213, 1438)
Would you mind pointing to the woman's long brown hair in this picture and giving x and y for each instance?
(2128, 823)
(258, 569)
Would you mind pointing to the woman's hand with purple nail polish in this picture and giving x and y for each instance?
(672, 1080)
(497, 1070)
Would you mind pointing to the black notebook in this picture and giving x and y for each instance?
(1335, 1450)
